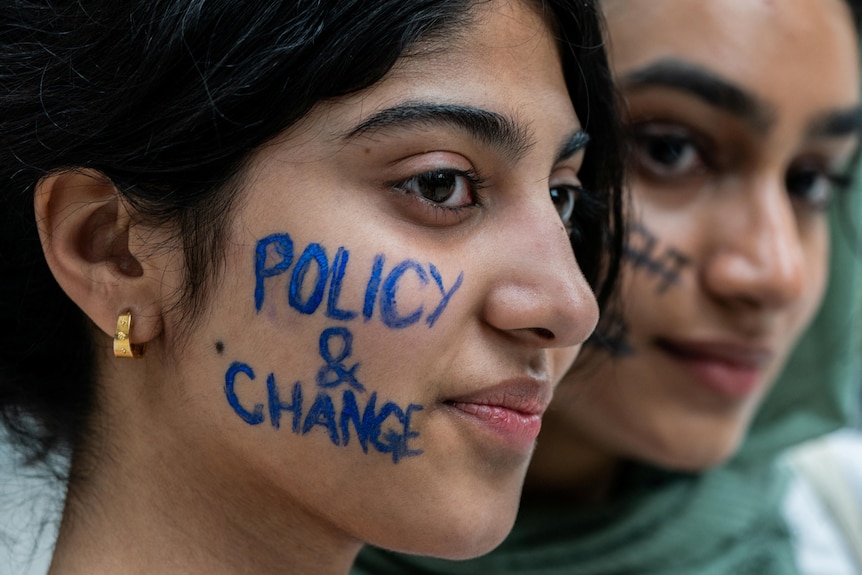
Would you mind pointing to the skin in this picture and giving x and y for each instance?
(177, 481)
(729, 246)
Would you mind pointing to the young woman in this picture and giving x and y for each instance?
(287, 277)
(743, 120)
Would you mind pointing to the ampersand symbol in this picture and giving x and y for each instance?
(334, 364)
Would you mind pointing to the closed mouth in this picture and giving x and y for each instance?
(733, 354)
(733, 370)
(511, 411)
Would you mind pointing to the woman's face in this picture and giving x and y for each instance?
(742, 114)
(399, 298)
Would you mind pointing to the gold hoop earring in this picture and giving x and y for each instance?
(123, 347)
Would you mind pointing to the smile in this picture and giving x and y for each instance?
(733, 370)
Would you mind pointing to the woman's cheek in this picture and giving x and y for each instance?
(369, 316)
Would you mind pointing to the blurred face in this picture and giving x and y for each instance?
(399, 298)
(743, 116)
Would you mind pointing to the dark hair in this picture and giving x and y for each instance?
(856, 12)
(167, 99)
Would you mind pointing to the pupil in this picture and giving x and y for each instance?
(438, 186)
(666, 150)
(800, 181)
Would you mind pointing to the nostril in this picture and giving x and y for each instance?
(543, 333)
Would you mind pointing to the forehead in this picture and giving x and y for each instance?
(503, 59)
(503, 41)
(772, 48)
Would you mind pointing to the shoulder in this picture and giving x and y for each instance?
(823, 507)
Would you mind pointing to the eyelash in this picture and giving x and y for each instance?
(646, 139)
(836, 184)
(474, 182)
(646, 135)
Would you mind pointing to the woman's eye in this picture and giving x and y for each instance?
(666, 151)
(564, 198)
(813, 186)
(446, 188)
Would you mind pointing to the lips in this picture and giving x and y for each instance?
(511, 412)
(734, 370)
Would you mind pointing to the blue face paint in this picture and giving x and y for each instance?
(373, 286)
(447, 295)
(641, 251)
(391, 440)
(276, 406)
(612, 339)
(338, 268)
(350, 413)
(387, 430)
(283, 246)
(388, 302)
(251, 417)
(322, 412)
(307, 288)
(312, 253)
(333, 364)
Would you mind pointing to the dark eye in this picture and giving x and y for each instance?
(564, 198)
(666, 151)
(445, 188)
(813, 186)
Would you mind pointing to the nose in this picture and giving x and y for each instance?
(538, 293)
(758, 260)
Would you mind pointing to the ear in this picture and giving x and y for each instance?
(84, 226)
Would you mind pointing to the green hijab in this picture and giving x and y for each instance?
(725, 521)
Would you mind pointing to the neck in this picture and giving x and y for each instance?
(140, 502)
(137, 522)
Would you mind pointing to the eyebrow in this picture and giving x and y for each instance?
(489, 127)
(837, 124)
(705, 85)
(576, 142)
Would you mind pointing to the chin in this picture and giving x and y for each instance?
(690, 457)
(451, 545)
(692, 463)
(467, 532)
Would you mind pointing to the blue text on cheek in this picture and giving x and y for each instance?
(386, 429)
(315, 279)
